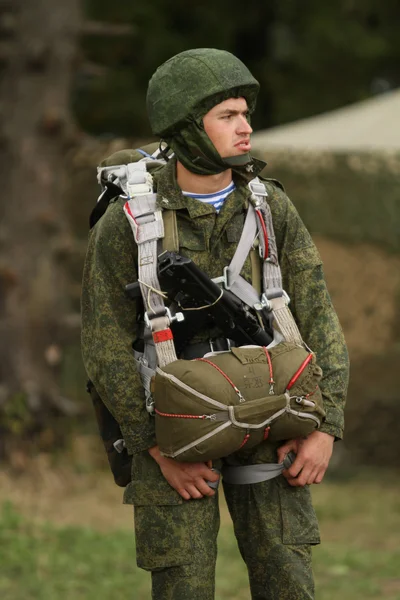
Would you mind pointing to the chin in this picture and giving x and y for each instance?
(238, 152)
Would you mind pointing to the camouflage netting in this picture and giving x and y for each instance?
(351, 204)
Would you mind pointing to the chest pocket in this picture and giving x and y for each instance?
(191, 236)
(234, 228)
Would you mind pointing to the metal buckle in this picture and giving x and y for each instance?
(286, 296)
(228, 344)
(223, 279)
(119, 445)
(266, 303)
(257, 188)
(179, 317)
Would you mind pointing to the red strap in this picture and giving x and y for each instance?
(299, 372)
(128, 210)
(265, 234)
(246, 439)
(162, 336)
(271, 373)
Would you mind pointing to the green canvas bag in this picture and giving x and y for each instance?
(211, 407)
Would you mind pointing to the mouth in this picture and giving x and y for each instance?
(243, 145)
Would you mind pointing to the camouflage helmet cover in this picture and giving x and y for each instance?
(191, 83)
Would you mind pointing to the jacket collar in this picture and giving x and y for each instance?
(169, 195)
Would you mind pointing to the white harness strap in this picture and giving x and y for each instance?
(147, 226)
(274, 297)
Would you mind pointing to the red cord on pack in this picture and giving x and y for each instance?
(265, 234)
(271, 373)
(299, 372)
(246, 439)
(241, 399)
(311, 393)
(162, 414)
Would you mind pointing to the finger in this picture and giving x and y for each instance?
(320, 476)
(303, 477)
(296, 467)
(204, 488)
(293, 481)
(208, 474)
(185, 495)
(209, 464)
(313, 476)
(193, 491)
(282, 451)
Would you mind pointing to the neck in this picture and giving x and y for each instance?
(201, 184)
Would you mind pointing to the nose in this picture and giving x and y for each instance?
(244, 126)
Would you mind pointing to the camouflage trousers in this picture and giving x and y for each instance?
(274, 523)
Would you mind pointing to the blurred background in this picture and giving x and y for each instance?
(73, 85)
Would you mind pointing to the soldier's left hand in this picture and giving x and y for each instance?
(312, 458)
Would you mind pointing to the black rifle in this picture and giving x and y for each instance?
(206, 305)
(202, 301)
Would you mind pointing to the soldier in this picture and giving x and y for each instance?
(200, 103)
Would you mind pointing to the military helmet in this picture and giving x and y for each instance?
(189, 84)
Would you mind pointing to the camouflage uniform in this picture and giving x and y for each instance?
(274, 523)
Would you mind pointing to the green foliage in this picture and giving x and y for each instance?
(309, 57)
(16, 416)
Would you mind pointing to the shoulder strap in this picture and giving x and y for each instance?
(146, 221)
(274, 297)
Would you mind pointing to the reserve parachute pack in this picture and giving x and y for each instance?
(214, 405)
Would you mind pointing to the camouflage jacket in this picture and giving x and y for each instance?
(109, 315)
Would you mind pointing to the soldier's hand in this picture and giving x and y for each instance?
(188, 479)
(312, 458)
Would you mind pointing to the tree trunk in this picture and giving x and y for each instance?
(37, 59)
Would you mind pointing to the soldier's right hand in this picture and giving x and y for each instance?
(188, 479)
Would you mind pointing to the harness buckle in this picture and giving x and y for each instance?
(266, 302)
(257, 188)
(223, 279)
(179, 317)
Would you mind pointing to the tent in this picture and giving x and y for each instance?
(370, 125)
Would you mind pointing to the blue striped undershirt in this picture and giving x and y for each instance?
(216, 199)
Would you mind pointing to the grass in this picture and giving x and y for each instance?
(359, 557)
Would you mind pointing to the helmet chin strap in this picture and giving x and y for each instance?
(194, 149)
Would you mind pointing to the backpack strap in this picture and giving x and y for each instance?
(146, 221)
(274, 297)
(150, 227)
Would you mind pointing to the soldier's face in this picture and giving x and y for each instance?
(227, 127)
